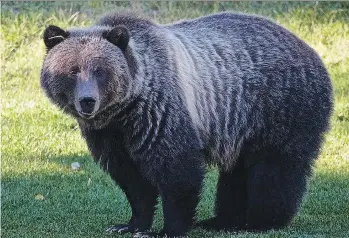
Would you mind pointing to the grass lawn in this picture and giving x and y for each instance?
(39, 143)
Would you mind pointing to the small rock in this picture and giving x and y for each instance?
(75, 166)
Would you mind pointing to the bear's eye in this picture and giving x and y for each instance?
(98, 72)
(74, 71)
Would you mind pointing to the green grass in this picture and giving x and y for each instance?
(39, 143)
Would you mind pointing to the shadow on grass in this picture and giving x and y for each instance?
(77, 203)
(83, 203)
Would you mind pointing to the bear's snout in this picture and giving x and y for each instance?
(87, 105)
(87, 101)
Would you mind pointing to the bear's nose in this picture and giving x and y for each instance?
(87, 105)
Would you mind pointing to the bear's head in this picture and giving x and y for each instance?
(86, 71)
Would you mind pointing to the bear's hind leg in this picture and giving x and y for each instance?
(231, 200)
(274, 192)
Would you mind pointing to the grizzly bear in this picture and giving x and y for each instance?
(156, 103)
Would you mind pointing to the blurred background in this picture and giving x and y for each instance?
(42, 196)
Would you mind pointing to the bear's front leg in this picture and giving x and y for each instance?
(180, 181)
(107, 148)
(179, 206)
(140, 194)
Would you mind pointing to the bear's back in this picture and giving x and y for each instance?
(248, 77)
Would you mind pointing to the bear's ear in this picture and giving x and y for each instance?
(118, 36)
(54, 35)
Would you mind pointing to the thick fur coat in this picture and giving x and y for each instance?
(156, 103)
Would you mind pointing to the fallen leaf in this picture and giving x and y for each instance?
(39, 197)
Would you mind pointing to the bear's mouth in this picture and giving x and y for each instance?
(85, 115)
(70, 109)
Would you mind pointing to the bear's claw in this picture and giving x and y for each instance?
(121, 228)
(145, 235)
